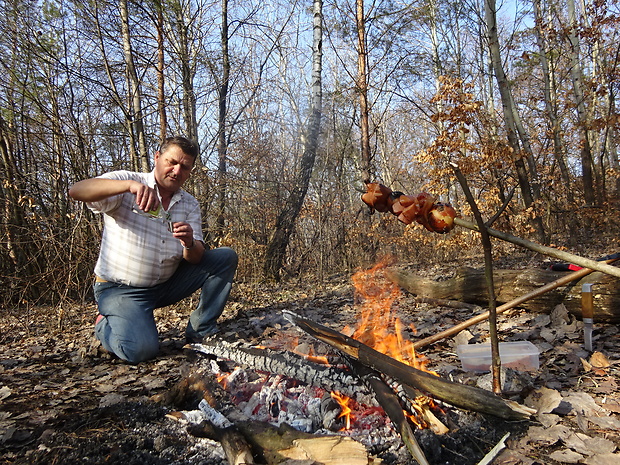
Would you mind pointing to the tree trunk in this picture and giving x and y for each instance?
(136, 122)
(222, 146)
(362, 89)
(509, 112)
(276, 249)
(587, 171)
(161, 65)
(550, 101)
(187, 73)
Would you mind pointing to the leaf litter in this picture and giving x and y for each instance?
(62, 398)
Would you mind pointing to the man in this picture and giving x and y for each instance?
(152, 253)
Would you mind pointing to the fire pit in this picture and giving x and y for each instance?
(375, 398)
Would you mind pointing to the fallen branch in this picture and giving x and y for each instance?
(505, 307)
(459, 395)
(559, 254)
(501, 445)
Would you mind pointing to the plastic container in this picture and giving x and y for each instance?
(519, 355)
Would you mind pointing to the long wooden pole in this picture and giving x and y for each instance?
(575, 275)
(559, 254)
(460, 395)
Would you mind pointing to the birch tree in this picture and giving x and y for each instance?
(276, 249)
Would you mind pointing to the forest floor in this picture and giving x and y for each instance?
(63, 400)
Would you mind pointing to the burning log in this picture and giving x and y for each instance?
(459, 395)
(219, 428)
(285, 363)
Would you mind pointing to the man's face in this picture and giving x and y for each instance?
(172, 169)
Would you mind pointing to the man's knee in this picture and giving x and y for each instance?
(228, 255)
(222, 259)
(138, 350)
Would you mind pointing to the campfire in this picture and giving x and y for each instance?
(368, 385)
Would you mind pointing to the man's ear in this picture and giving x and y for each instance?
(156, 156)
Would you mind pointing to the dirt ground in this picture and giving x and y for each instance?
(62, 400)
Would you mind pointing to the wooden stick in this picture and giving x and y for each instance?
(564, 256)
(387, 398)
(575, 275)
(459, 395)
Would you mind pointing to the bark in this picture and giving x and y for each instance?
(222, 146)
(469, 286)
(551, 101)
(9, 195)
(187, 73)
(587, 165)
(488, 274)
(161, 65)
(362, 89)
(276, 249)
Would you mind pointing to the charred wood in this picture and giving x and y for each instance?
(387, 398)
(285, 363)
(236, 447)
(267, 443)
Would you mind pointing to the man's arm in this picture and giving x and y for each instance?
(96, 189)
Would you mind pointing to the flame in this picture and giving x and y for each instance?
(344, 403)
(320, 359)
(222, 378)
(378, 325)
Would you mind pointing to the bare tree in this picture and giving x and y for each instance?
(587, 171)
(222, 143)
(136, 122)
(550, 96)
(510, 114)
(362, 90)
(276, 249)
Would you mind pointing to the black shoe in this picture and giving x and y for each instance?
(198, 339)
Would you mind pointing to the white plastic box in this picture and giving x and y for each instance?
(519, 355)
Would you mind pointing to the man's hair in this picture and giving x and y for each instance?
(188, 146)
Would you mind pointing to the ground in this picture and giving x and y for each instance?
(62, 400)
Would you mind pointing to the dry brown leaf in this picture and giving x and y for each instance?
(599, 360)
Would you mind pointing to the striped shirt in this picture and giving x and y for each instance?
(137, 250)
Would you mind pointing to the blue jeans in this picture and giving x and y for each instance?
(128, 328)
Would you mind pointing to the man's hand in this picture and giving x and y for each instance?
(96, 189)
(146, 197)
(193, 249)
(184, 232)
